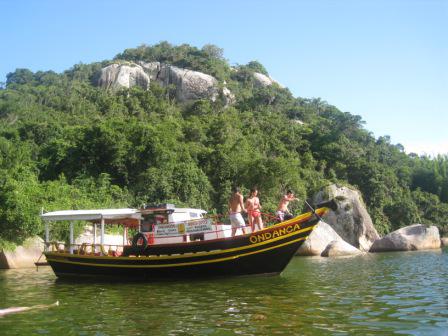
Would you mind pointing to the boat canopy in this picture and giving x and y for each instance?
(110, 216)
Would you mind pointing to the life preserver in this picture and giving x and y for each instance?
(139, 248)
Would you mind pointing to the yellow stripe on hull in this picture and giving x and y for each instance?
(185, 255)
(178, 264)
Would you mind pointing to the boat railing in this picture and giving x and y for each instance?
(117, 249)
(268, 220)
(85, 248)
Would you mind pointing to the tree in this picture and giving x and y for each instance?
(20, 76)
(213, 51)
(257, 67)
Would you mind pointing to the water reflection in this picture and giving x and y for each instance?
(380, 293)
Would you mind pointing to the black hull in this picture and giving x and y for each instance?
(264, 252)
(263, 263)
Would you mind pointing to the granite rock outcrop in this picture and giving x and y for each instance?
(409, 238)
(351, 220)
(23, 256)
(116, 76)
(189, 85)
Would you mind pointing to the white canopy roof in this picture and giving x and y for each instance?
(91, 215)
(199, 211)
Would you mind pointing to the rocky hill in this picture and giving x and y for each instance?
(178, 124)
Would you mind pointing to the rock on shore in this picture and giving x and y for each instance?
(87, 237)
(351, 220)
(324, 241)
(339, 248)
(23, 256)
(322, 235)
(409, 238)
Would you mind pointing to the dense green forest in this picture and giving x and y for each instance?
(67, 144)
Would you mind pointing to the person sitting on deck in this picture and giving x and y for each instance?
(235, 207)
(282, 209)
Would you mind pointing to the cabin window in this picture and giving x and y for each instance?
(146, 227)
(147, 223)
(152, 219)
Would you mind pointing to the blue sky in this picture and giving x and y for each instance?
(386, 61)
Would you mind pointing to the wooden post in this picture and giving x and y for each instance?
(102, 233)
(71, 238)
(47, 236)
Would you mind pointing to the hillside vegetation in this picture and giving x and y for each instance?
(67, 144)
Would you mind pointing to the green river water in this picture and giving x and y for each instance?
(375, 294)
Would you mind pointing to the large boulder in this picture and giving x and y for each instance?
(116, 76)
(152, 69)
(322, 235)
(261, 80)
(228, 97)
(190, 85)
(23, 256)
(351, 220)
(409, 238)
(339, 248)
(87, 237)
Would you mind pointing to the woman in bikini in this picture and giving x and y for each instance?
(253, 210)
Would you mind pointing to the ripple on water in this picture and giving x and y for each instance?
(373, 294)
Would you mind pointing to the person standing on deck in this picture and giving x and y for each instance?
(282, 209)
(253, 210)
(236, 205)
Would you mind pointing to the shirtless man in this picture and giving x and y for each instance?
(253, 209)
(236, 205)
(282, 208)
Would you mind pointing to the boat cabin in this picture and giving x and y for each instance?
(157, 224)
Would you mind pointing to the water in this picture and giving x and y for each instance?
(377, 294)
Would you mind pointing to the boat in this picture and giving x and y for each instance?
(191, 246)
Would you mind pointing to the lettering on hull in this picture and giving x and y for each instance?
(261, 237)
